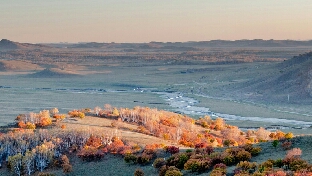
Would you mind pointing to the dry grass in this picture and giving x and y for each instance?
(16, 65)
(126, 130)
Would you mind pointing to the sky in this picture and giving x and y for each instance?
(53, 21)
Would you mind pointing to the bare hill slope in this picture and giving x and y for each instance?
(17, 65)
(290, 81)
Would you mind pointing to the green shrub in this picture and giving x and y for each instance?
(144, 159)
(173, 173)
(246, 166)
(258, 174)
(189, 151)
(138, 172)
(162, 171)
(178, 160)
(255, 151)
(130, 158)
(219, 169)
(278, 163)
(228, 159)
(251, 149)
(243, 156)
(247, 147)
(298, 164)
(197, 165)
(45, 174)
(216, 158)
(159, 162)
(192, 164)
(217, 172)
(275, 143)
(226, 142)
(268, 165)
(169, 171)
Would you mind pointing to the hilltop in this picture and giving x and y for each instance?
(10, 45)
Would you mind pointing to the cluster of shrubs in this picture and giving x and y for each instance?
(95, 148)
(143, 157)
(205, 159)
(291, 164)
(46, 118)
(180, 128)
(198, 160)
(77, 113)
(33, 120)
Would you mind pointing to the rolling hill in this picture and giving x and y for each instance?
(289, 81)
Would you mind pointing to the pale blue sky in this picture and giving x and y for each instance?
(154, 20)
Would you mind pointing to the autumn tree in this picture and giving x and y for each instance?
(15, 163)
(43, 156)
(219, 123)
(108, 107)
(233, 133)
(28, 162)
(115, 112)
(54, 111)
(97, 110)
(67, 167)
(289, 135)
(262, 134)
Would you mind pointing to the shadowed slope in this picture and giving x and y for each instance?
(291, 79)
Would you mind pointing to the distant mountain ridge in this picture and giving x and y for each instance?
(175, 46)
(193, 45)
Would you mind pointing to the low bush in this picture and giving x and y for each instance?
(286, 145)
(228, 159)
(218, 170)
(243, 156)
(138, 172)
(130, 158)
(172, 149)
(159, 162)
(144, 159)
(178, 160)
(90, 153)
(198, 165)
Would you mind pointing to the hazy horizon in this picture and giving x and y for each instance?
(141, 21)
